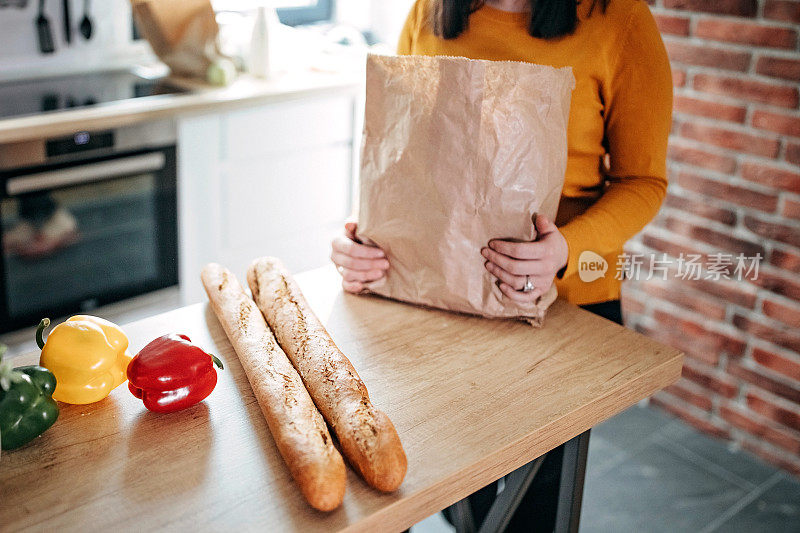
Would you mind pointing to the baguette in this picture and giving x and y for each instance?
(367, 436)
(294, 421)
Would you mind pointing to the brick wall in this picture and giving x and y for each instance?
(734, 166)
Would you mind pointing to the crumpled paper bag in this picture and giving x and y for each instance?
(456, 152)
(182, 33)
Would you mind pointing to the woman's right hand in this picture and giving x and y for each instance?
(357, 263)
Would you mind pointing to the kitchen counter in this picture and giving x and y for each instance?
(472, 399)
(245, 91)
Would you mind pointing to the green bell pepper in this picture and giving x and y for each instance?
(27, 407)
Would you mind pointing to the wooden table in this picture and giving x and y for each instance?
(472, 400)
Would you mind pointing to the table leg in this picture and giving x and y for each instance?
(570, 494)
(504, 507)
(461, 515)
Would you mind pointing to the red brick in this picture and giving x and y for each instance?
(675, 126)
(734, 194)
(690, 393)
(732, 140)
(674, 406)
(709, 379)
(785, 260)
(671, 24)
(722, 241)
(743, 295)
(779, 67)
(678, 78)
(708, 108)
(700, 158)
(770, 409)
(773, 231)
(746, 89)
(759, 427)
(698, 348)
(740, 8)
(706, 56)
(673, 245)
(791, 209)
(784, 460)
(675, 292)
(777, 363)
(779, 284)
(793, 153)
(700, 208)
(670, 248)
(696, 355)
(788, 313)
(777, 122)
(631, 305)
(699, 337)
(776, 335)
(771, 176)
(760, 379)
(784, 10)
(746, 33)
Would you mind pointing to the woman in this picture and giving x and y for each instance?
(617, 134)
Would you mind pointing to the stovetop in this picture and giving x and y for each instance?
(42, 95)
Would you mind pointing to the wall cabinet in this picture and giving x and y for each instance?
(275, 179)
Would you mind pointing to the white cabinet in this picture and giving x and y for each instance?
(274, 179)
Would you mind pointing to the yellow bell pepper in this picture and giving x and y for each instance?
(88, 356)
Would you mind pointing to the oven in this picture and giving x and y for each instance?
(87, 219)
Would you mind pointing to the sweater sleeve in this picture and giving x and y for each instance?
(638, 113)
(405, 44)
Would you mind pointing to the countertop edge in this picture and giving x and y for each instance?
(246, 92)
(652, 381)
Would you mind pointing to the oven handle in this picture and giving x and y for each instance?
(85, 173)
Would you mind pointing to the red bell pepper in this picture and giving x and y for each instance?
(171, 373)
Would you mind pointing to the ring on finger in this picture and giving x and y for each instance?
(529, 286)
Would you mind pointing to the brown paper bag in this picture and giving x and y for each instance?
(457, 152)
(182, 33)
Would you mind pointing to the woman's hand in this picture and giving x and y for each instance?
(356, 262)
(541, 259)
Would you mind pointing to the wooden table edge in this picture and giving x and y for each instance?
(526, 448)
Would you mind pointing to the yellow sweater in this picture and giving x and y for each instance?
(621, 107)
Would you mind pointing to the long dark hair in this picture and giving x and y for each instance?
(549, 18)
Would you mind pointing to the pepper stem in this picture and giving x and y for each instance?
(43, 325)
(217, 361)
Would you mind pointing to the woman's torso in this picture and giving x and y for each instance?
(500, 35)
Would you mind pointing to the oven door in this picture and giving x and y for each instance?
(82, 234)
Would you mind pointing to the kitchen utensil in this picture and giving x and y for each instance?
(44, 32)
(67, 21)
(86, 23)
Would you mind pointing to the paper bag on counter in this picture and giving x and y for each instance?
(457, 152)
(182, 33)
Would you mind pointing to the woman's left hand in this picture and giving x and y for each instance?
(511, 262)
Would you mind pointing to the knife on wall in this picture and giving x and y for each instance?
(67, 22)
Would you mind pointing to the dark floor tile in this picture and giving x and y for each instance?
(631, 427)
(777, 510)
(655, 490)
(739, 462)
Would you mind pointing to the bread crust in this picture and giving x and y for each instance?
(366, 435)
(294, 421)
